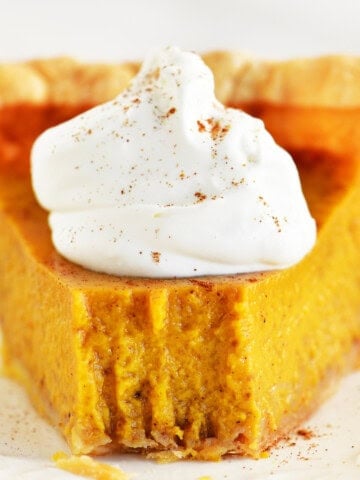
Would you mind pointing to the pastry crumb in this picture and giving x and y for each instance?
(88, 467)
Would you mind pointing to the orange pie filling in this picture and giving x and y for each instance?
(200, 367)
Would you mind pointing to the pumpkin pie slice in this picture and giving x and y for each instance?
(197, 367)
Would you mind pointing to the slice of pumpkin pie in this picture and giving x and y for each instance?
(199, 366)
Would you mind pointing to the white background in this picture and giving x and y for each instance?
(115, 30)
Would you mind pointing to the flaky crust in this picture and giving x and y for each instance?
(62, 80)
(332, 81)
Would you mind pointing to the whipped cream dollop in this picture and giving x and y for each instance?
(164, 181)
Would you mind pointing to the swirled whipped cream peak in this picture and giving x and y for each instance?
(164, 181)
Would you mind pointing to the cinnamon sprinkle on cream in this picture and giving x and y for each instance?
(156, 256)
(200, 196)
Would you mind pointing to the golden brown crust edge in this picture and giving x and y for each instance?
(62, 80)
(331, 81)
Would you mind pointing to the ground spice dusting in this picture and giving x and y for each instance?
(263, 201)
(201, 126)
(240, 182)
(200, 196)
(208, 286)
(216, 130)
(305, 433)
(156, 256)
(277, 223)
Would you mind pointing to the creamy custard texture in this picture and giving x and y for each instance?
(165, 181)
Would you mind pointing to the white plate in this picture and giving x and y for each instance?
(332, 453)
